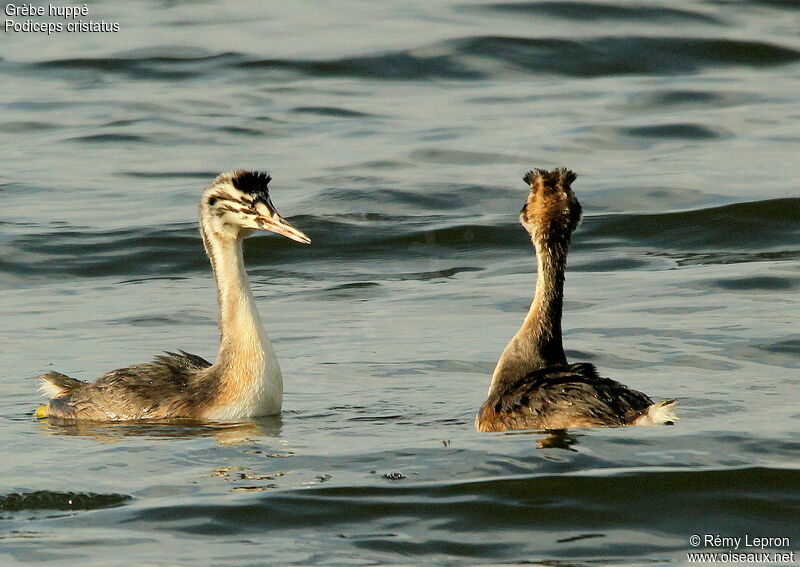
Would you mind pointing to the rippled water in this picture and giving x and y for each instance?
(397, 134)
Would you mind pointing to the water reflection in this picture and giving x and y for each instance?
(558, 439)
(224, 433)
(553, 439)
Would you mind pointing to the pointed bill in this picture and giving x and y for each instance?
(278, 225)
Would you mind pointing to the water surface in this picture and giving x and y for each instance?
(397, 135)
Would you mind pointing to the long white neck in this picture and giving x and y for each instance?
(538, 344)
(249, 378)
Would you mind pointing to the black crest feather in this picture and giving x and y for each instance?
(561, 176)
(255, 183)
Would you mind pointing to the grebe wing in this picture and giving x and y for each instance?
(563, 396)
(159, 389)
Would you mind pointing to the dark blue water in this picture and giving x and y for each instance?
(397, 135)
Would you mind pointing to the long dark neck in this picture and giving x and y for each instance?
(537, 344)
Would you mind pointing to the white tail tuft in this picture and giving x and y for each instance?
(50, 390)
(660, 413)
(56, 385)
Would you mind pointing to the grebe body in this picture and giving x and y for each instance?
(245, 380)
(533, 386)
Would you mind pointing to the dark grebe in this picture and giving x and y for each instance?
(533, 385)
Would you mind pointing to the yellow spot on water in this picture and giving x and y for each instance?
(41, 412)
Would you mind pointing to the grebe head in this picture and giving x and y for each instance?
(238, 202)
(551, 211)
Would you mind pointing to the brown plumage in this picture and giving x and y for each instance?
(169, 386)
(533, 386)
(558, 397)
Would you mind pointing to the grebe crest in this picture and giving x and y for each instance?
(238, 202)
(551, 211)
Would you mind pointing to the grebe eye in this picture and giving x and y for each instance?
(211, 201)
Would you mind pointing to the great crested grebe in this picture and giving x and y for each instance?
(245, 381)
(533, 386)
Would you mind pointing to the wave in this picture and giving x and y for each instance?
(739, 232)
(526, 502)
(455, 59)
(681, 131)
(622, 55)
(752, 227)
(585, 11)
(48, 500)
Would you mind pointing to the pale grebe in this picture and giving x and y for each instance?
(245, 381)
(533, 386)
